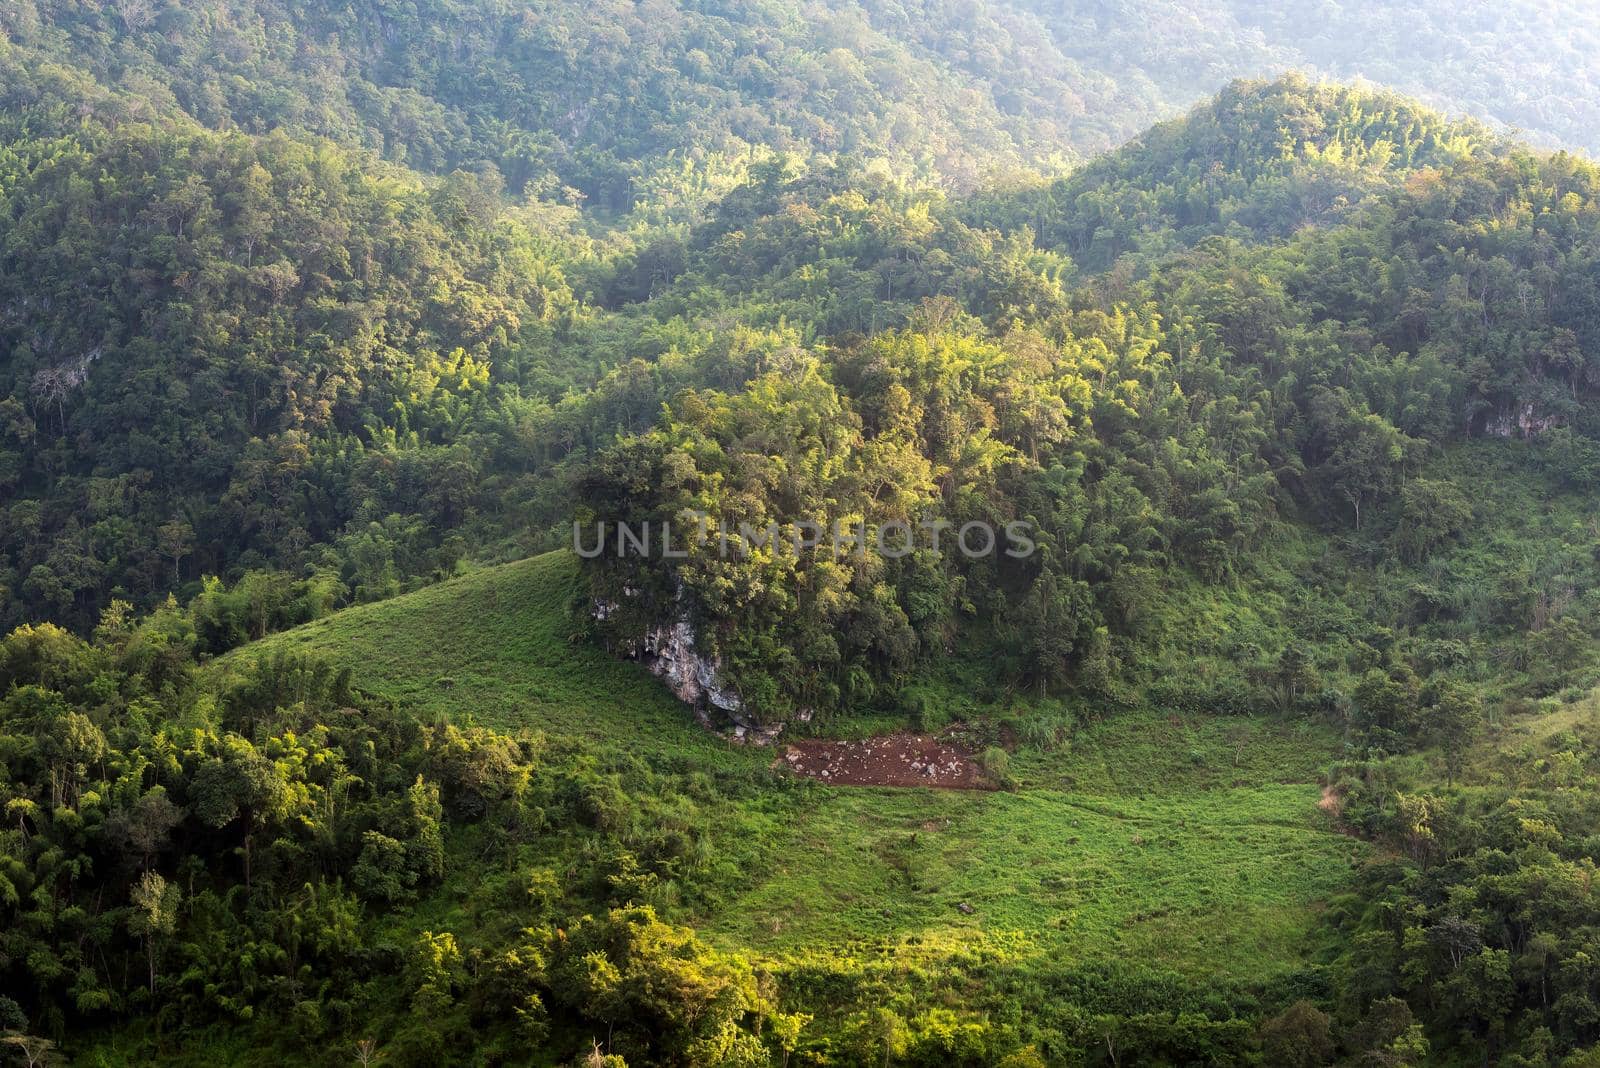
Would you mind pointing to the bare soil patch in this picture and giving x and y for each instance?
(890, 760)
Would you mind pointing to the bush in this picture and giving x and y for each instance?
(996, 765)
(12, 1018)
(1299, 1037)
(1045, 732)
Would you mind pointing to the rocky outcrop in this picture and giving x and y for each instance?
(669, 651)
(1524, 422)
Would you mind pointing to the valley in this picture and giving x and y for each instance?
(341, 722)
(1131, 848)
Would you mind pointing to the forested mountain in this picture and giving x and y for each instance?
(197, 323)
(1246, 382)
(600, 100)
(1284, 728)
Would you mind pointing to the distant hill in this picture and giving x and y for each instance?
(599, 97)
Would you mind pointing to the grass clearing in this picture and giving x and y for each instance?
(1188, 842)
(1217, 882)
(495, 647)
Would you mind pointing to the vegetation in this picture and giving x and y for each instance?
(323, 327)
(606, 101)
(257, 873)
(1175, 416)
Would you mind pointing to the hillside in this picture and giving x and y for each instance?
(1060, 879)
(609, 100)
(399, 372)
(1267, 734)
(1141, 864)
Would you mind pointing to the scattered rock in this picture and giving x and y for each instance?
(888, 760)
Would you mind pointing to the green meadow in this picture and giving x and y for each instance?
(1187, 843)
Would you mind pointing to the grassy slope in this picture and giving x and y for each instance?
(495, 648)
(1195, 843)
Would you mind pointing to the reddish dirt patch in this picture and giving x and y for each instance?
(1331, 802)
(892, 760)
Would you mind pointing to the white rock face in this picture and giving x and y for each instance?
(670, 654)
(694, 678)
(1525, 422)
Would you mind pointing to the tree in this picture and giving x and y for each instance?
(149, 822)
(434, 971)
(1298, 1037)
(237, 782)
(1389, 1036)
(135, 14)
(1051, 619)
(876, 1036)
(1387, 704)
(783, 1032)
(1415, 815)
(381, 872)
(1431, 514)
(71, 744)
(1366, 454)
(1571, 457)
(1451, 721)
(1481, 993)
(659, 986)
(1296, 674)
(1564, 645)
(176, 541)
(597, 1058)
(36, 1052)
(154, 917)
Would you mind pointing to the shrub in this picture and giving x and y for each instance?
(996, 765)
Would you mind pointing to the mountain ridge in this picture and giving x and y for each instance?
(316, 743)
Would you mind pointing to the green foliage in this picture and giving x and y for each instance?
(299, 312)
(1490, 929)
(333, 324)
(932, 430)
(1298, 1037)
(1259, 161)
(218, 858)
(796, 877)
